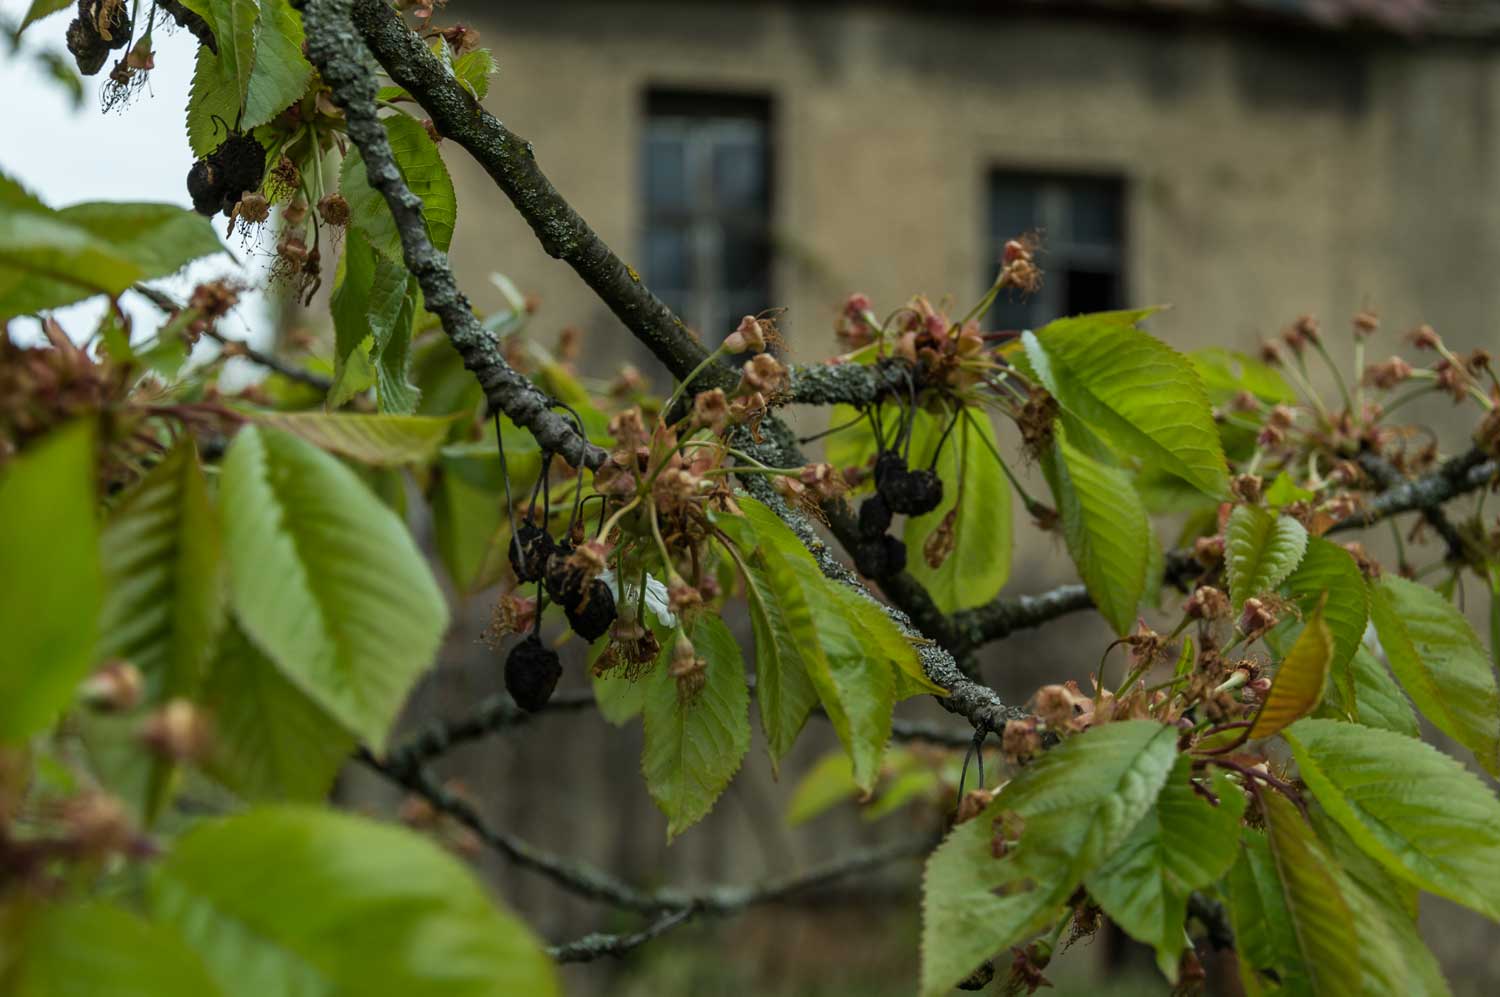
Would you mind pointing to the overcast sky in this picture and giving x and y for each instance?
(136, 153)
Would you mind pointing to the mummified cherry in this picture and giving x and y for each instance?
(880, 557)
(531, 673)
(591, 618)
(874, 517)
(529, 551)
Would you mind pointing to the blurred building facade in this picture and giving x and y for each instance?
(1242, 162)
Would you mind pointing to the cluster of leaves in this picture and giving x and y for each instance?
(214, 598)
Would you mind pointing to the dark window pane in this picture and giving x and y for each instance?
(1095, 214)
(1087, 291)
(666, 173)
(1013, 210)
(667, 256)
(708, 203)
(740, 175)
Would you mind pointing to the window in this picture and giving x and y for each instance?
(1081, 221)
(708, 208)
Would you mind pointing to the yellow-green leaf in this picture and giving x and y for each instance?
(1297, 688)
(1263, 549)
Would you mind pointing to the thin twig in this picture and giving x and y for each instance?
(236, 347)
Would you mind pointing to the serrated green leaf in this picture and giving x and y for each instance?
(1419, 812)
(974, 484)
(236, 23)
(83, 949)
(1328, 576)
(1072, 808)
(1136, 391)
(841, 649)
(373, 302)
(281, 72)
(288, 900)
(473, 70)
(40, 9)
(1439, 661)
(422, 168)
(52, 258)
(271, 741)
(1179, 846)
(378, 440)
(1105, 527)
(49, 572)
(1263, 549)
(694, 745)
(1379, 700)
(1298, 685)
(1322, 925)
(1226, 373)
(164, 576)
(784, 691)
(326, 580)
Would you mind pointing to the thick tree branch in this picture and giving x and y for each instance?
(1469, 471)
(342, 60)
(509, 160)
(1005, 615)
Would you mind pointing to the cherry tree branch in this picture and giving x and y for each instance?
(343, 61)
(672, 905)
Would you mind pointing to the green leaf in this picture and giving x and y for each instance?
(271, 741)
(829, 782)
(164, 576)
(974, 484)
(1322, 924)
(53, 258)
(378, 440)
(818, 625)
(1441, 664)
(694, 747)
(287, 900)
(326, 580)
(1136, 391)
(1105, 527)
(1328, 576)
(373, 303)
(1263, 549)
(84, 949)
(784, 691)
(1419, 812)
(40, 9)
(235, 25)
(49, 572)
(620, 700)
(854, 447)
(474, 70)
(1178, 847)
(1380, 701)
(1226, 373)
(1298, 685)
(1271, 960)
(281, 72)
(1060, 817)
(423, 170)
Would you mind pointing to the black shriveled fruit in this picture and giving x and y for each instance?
(880, 557)
(531, 673)
(890, 466)
(529, 551)
(242, 162)
(218, 181)
(590, 619)
(564, 581)
(924, 492)
(874, 517)
(203, 186)
(87, 43)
